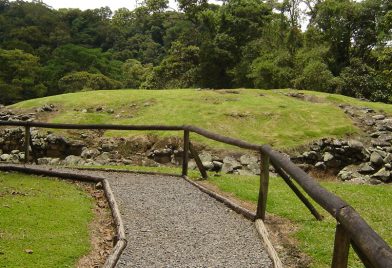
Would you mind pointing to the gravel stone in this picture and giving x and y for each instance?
(170, 223)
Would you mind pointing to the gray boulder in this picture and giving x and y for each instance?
(365, 168)
(205, 157)
(378, 117)
(90, 153)
(355, 145)
(376, 159)
(383, 175)
(73, 160)
(227, 168)
(231, 161)
(345, 175)
(248, 159)
(328, 157)
(208, 165)
(5, 157)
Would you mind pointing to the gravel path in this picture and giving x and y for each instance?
(170, 223)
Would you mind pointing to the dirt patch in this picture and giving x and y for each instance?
(239, 115)
(102, 231)
(304, 97)
(280, 230)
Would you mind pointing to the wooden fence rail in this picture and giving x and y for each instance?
(351, 229)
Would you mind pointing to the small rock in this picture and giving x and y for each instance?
(328, 157)
(388, 158)
(248, 159)
(345, 175)
(205, 157)
(227, 168)
(208, 165)
(29, 251)
(5, 157)
(90, 153)
(365, 168)
(234, 163)
(382, 175)
(378, 117)
(99, 185)
(217, 164)
(320, 165)
(356, 145)
(376, 159)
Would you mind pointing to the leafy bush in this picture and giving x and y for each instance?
(362, 81)
(316, 76)
(87, 81)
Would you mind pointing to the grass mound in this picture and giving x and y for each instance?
(44, 222)
(258, 116)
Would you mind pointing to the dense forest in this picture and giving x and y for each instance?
(346, 47)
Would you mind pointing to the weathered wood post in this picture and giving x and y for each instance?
(185, 156)
(263, 190)
(199, 164)
(27, 144)
(341, 247)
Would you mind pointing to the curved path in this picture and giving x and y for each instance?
(170, 223)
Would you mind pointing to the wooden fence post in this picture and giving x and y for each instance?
(199, 164)
(185, 156)
(27, 144)
(341, 247)
(263, 190)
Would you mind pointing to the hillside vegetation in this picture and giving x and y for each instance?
(258, 116)
(162, 44)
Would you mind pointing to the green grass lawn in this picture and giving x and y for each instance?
(48, 216)
(258, 116)
(316, 238)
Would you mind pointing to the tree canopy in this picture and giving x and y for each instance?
(346, 48)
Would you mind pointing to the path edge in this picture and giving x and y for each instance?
(259, 224)
(121, 242)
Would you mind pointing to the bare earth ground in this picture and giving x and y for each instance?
(101, 229)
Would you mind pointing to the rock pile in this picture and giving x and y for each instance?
(351, 159)
(9, 115)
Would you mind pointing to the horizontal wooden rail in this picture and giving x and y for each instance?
(92, 126)
(224, 139)
(365, 240)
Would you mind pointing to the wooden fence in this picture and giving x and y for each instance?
(351, 228)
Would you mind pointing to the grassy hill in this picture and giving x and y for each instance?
(259, 116)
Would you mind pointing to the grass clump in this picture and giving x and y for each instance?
(47, 216)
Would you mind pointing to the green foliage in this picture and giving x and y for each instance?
(19, 76)
(361, 80)
(315, 76)
(272, 70)
(134, 73)
(48, 216)
(82, 81)
(178, 70)
(241, 43)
